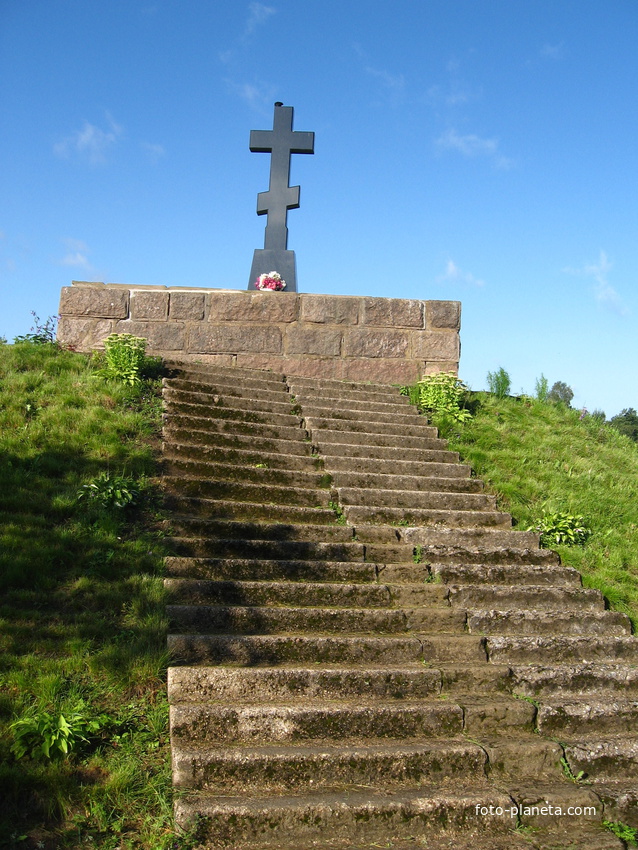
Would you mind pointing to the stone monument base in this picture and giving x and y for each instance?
(347, 338)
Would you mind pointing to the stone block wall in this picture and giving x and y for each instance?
(389, 340)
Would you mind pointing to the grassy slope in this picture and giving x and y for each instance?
(542, 457)
(82, 613)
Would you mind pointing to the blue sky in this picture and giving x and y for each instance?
(479, 151)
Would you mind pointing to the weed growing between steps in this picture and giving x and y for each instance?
(84, 755)
(543, 459)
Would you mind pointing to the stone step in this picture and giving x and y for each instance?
(344, 417)
(234, 414)
(379, 483)
(435, 817)
(454, 542)
(371, 433)
(207, 396)
(599, 759)
(240, 456)
(415, 499)
(234, 427)
(259, 620)
(248, 473)
(549, 622)
(203, 488)
(231, 510)
(189, 649)
(287, 550)
(394, 467)
(206, 723)
(233, 441)
(562, 717)
(547, 598)
(209, 373)
(347, 446)
(408, 681)
(336, 404)
(317, 387)
(237, 530)
(452, 518)
(489, 575)
(592, 678)
(567, 649)
(303, 593)
(245, 569)
(230, 392)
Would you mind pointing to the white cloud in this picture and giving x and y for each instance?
(154, 152)
(259, 96)
(393, 83)
(77, 255)
(471, 145)
(603, 291)
(453, 274)
(258, 14)
(552, 51)
(91, 142)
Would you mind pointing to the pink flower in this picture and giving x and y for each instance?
(271, 281)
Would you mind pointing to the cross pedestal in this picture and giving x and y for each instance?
(280, 142)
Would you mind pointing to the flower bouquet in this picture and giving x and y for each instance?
(271, 281)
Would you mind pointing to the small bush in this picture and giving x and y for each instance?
(110, 491)
(561, 528)
(541, 388)
(499, 382)
(50, 736)
(441, 394)
(125, 358)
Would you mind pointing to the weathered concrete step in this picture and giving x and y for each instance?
(393, 466)
(230, 393)
(203, 488)
(620, 799)
(613, 757)
(288, 550)
(230, 510)
(539, 598)
(553, 622)
(178, 421)
(253, 650)
(267, 769)
(316, 387)
(439, 483)
(237, 530)
(415, 681)
(383, 438)
(245, 473)
(174, 407)
(277, 402)
(591, 714)
(370, 816)
(564, 649)
(208, 373)
(594, 679)
(531, 574)
(346, 446)
(210, 723)
(245, 569)
(358, 514)
(253, 443)
(338, 418)
(335, 403)
(240, 456)
(259, 620)
(414, 499)
(302, 593)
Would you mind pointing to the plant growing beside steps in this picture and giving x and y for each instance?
(325, 691)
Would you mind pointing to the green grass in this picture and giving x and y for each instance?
(82, 620)
(541, 457)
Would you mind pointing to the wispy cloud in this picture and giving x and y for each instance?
(552, 51)
(258, 14)
(91, 142)
(603, 291)
(153, 152)
(259, 96)
(392, 85)
(453, 274)
(471, 145)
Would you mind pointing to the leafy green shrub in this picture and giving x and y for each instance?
(110, 491)
(50, 736)
(499, 382)
(561, 528)
(442, 394)
(541, 388)
(125, 357)
(627, 423)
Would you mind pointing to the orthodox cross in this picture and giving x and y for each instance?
(280, 143)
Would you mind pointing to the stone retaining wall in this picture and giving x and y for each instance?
(389, 340)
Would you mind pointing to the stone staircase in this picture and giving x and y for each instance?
(365, 654)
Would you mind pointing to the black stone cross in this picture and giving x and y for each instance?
(280, 142)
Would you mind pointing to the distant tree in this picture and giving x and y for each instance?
(561, 392)
(599, 415)
(627, 423)
(541, 388)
